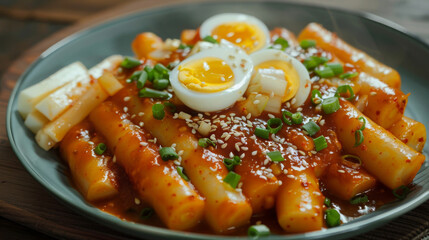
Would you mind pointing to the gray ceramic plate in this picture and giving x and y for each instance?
(378, 37)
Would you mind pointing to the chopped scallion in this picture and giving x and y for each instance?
(345, 89)
(162, 70)
(262, 133)
(348, 75)
(327, 202)
(230, 163)
(181, 172)
(330, 105)
(151, 93)
(158, 111)
(232, 179)
(282, 42)
(320, 143)
(285, 116)
(130, 62)
(150, 73)
(274, 125)
(359, 199)
(401, 192)
(256, 231)
(325, 72)
(297, 118)
(168, 153)
(205, 142)
(332, 218)
(314, 61)
(210, 39)
(311, 128)
(307, 43)
(358, 137)
(141, 81)
(316, 96)
(275, 156)
(100, 148)
(351, 160)
(160, 84)
(337, 68)
(170, 106)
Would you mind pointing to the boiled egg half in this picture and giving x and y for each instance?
(243, 30)
(271, 66)
(213, 79)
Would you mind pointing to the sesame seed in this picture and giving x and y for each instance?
(193, 131)
(242, 155)
(141, 124)
(322, 122)
(341, 171)
(144, 144)
(91, 142)
(126, 99)
(372, 93)
(220, 141)
(114, 158)
(299, 109)
(183, 115)
(285, 171)
(316, 86)
(254, 153)
(231, 155)
(173, 145)
(313, 152)
(266, 161)
(290, 176)
(154, 140)
(256, 102)
(227, 137)
(280, 182)
(240, 184)
(137, 201)
(293, 101)
(249, 115)
(125, 109)
(133, 116)
(176, 162)
(244, 148)
(224, 145)
(317, 193)
(237, 147)
(271, 115)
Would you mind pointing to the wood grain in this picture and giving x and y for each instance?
(24, 201)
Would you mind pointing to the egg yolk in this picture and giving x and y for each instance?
(247, 36)
(209, 74)
(291, 76)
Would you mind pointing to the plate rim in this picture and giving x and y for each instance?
(111, 221)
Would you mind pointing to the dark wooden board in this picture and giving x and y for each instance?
(23, 200)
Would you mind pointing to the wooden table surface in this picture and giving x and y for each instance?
(27, 210)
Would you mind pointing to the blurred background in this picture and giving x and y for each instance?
(23, 23)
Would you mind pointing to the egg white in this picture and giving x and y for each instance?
(241, 66)
(304, 78)
(208, 25)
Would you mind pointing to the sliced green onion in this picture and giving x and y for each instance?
(130, 62)
(262, 133)
(146, 213)
(165, 72)
(297, 118)
(150, 73)
(363, 120)
(210, 39)
(183, 46)
(134, 76)
(332, 218)
(337, 68)
(151, 93)
(275, 156)
(359, 199)
(401, 192)
(314, 61)
(230, 163)
(158, 111)
(274, 125)
(205, 142)
(160, 84)
(232, 179)
(330, 105)
(181, 172)
(344, 89)
(100, 148)
(325, 72)
(320, 143)
(307, 43)
(351, 160)
(358, 137)
(286, 114)
(168, 153)
(327, 202)
(282, 42)
(256, 231)
(170, 106)
(316, 96)
(141, 81)
(311, 128)
(348, 75)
